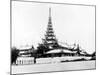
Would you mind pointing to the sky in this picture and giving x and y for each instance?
(71, 24)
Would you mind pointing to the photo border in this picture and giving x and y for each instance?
(48, 3)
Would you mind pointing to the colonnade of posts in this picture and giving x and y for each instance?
(26, 61)
(33, 60)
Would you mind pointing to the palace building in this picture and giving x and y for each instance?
(51, 46)
(50, 50)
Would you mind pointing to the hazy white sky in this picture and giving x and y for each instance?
(71, 23)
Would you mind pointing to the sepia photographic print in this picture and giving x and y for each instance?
(52, 37)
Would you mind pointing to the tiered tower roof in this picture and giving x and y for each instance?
(50, 38)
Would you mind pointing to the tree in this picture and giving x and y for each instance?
(14, 54)
(93, 56)
(41, 49)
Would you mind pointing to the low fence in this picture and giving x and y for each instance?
(32, 60)
(25, 60)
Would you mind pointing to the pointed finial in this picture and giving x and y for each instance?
(49, 12)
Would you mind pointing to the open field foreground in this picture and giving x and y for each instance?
(78, 65)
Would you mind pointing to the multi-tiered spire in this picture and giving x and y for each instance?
(50, 40)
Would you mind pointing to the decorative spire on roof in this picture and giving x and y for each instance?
(49, 22)
(50, 39)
